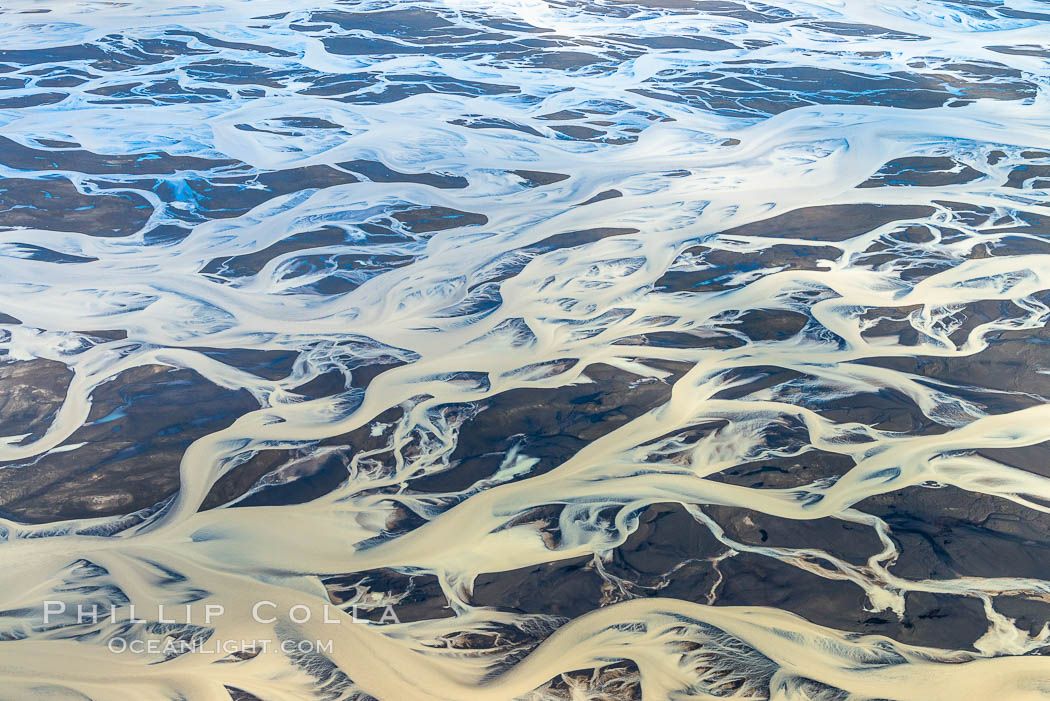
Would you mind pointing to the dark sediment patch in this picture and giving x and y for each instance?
(539, 178)
(930, 620)
(884, 409)
(1004, 377)
(682, 339)
(671, 555)
(22, 157)
(548, 424)
(602, 196)
(326, 384)
(761, 90)
(922, 171)
(228, 196)
(268, 364)
(494, 123)
(33, 392)
(132, 449)
(680, 42)
(418, 597)
(768, 324)
(620, 681)
(570, 239)
(567, 588)
(251, 263)
(240, 695)
(719, 266)
(423, 220)
(746, 380)
(786, 473)
(220, 43)
(947, 532)
(56, 204)
(309, 478)
(103, 335)
(1029, 615)
(667, 540)
(852, 542)
(240, 479)
(35, 100)
(1030, 458)
(380, 173)
(831, 223)
(312, 478)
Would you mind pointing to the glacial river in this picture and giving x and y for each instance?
(572, 349)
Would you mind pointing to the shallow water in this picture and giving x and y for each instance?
(650, 350)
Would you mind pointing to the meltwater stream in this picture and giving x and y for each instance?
(576, 349)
